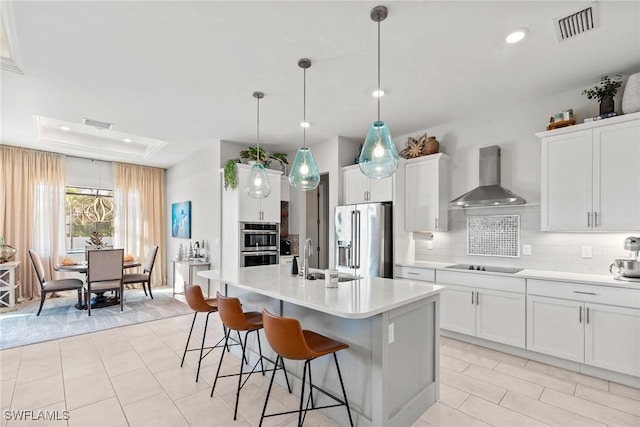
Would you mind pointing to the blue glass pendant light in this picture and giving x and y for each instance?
(304, 175)
(258, 185)
(379, 157)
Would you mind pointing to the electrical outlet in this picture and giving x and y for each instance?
(429, 244)
(526, 249)
(587, 252)
(391, 333)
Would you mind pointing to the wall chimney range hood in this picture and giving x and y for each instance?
(489, 192)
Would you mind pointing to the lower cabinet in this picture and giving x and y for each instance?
(484, 310)
(579, 329)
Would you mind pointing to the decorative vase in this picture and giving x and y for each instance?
(432, 146)
(631, 95)
(6, 252)
(606, 105)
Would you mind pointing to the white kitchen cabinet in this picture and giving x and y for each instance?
(258, 210)
(285, 189)
(590, 328)
(590, 176)
(483, 305)
(427, 193)
(360, 189)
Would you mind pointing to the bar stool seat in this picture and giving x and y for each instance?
(234, 319)
(290, 341)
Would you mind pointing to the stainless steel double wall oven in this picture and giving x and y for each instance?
(259, 243)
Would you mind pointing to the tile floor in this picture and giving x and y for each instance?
(131, 376)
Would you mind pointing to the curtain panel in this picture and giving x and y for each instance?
(140, 214)
(32, 211)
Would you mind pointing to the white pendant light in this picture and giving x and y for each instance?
(304, 175)
(379, 157)
(258, 185)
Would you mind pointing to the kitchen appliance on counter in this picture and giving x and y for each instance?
(628, 268)
(259, 244)
(487, 268)
(285, 247)
(364, 240)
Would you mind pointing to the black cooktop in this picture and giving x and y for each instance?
(489, 268)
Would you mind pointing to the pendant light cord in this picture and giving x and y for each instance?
(379, 95)
(304, 107)
(258, 130)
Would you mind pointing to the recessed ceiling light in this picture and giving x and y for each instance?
(516, 35)
(305, 124)
(378, 93)
(64, 128)
(127, 140)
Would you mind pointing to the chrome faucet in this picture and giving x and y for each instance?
(306, 253)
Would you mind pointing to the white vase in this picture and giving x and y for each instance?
(631, 95)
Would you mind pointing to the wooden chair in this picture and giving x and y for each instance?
(104, 273)
(50, 286)
(145, 276)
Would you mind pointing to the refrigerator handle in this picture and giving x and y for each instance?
(356, 260)
(352, 252)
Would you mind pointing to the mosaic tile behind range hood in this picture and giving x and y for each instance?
(495, 235)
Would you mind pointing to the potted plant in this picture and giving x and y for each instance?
(252, 154)
(604, 93)
(231, 174)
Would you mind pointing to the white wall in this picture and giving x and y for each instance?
(196, 179)
(89, 173)
(514, 131)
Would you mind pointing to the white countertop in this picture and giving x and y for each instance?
(561, 276)
(357, 299)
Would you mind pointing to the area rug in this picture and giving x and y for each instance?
(59, 318)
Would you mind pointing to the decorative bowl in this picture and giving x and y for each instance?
(6, 253)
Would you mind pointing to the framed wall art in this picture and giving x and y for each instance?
(181, 220)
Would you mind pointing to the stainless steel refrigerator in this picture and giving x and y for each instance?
(364, 239)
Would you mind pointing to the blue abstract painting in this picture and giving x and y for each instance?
(181, 220)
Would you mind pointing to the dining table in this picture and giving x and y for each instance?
(100, 300)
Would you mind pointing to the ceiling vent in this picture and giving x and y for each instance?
(97, 124)
(577, 22)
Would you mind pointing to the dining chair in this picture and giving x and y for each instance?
(147, 268)
(104, 273)
(50, 286)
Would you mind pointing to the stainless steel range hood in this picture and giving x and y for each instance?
(489, 192)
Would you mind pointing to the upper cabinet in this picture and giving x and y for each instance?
(360, 189)
(256, 210)
(591, 175)
(426, 193)
(285, 189)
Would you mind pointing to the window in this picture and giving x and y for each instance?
(88, 210)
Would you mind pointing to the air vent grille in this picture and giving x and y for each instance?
(97, 124)
(577, 23)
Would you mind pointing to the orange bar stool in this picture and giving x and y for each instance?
(234, 319)
(199, 304)
(290, 341)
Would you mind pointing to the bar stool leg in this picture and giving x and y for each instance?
(304, 377)
(188, 338)
(204, 335)
(344, 393)
(266, 400)
(226, 346)
(260, 351)
(235, 411)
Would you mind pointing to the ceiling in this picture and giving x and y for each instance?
(180, 75)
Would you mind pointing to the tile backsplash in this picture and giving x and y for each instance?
(549, 251)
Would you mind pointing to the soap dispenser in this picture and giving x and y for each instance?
(294, 266)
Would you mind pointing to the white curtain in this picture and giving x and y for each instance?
(32, 191)
(140, 219)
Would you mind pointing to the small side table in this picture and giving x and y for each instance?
(8, 283)
(193, 266)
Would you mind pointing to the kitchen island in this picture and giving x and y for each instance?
(390, 370)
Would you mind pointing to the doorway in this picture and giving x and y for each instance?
(317, 223)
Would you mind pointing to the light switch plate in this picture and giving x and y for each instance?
(587, 252)
(526, 249)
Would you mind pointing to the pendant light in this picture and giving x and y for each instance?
(100, 208)
(304, 175)
(258, 183)
(379, 157)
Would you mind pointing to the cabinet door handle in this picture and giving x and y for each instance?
(588, 219)
(584, 293)
(412, 273)
(436, 223)
(595, 219)
(580, 315)
(587, 315)
(477, 297)
(472, 301)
